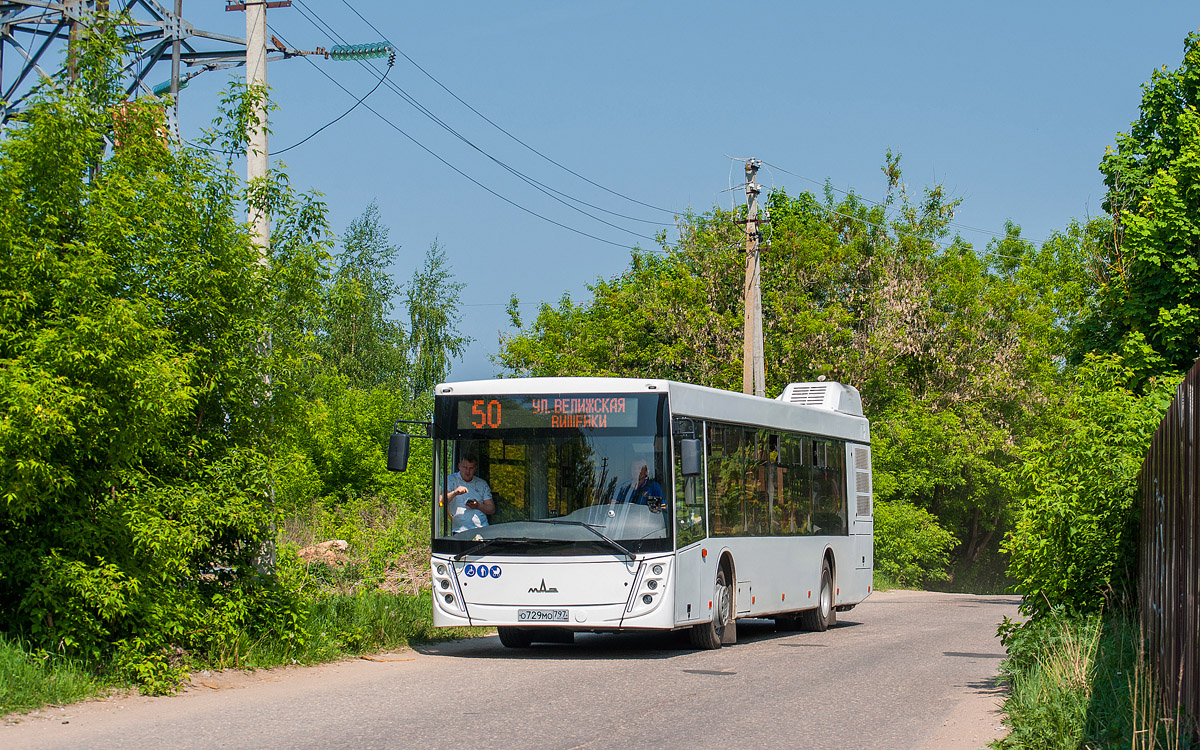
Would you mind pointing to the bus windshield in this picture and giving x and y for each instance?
(551, 474)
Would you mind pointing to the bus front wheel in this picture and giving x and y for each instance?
(515, 637)
(823, 617)
(710, 635)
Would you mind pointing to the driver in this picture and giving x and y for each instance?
(470, 502)
(640, 489)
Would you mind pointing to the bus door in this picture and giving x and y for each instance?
(693, 579)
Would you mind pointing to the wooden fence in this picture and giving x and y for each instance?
(1170, 550)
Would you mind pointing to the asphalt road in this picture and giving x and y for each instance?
(903, 670)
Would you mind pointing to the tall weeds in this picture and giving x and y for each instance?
(1083, 682)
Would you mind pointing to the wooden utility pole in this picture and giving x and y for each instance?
(753, 367)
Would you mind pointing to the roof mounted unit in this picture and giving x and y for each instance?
(825, 395)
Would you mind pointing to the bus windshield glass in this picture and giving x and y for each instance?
(551, 474)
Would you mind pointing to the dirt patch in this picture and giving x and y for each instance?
(973, 723)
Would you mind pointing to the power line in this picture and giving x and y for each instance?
(489, 121)
(354, 107)
(550, 192)
(461, 173)
(313, 18)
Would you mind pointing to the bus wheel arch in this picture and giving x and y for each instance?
(831, 561)
(824, 615)
(729, 632)
(721, 629)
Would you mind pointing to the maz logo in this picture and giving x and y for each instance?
(542, 589)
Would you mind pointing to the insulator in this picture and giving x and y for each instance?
(360, 51)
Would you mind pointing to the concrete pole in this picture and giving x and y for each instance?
(256, 149)
(256, 168)
(753, 364)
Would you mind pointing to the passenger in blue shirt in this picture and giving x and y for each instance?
(641, 489)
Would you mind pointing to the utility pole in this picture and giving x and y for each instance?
(256, 148)
(754, 378)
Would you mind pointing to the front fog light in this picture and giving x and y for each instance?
(647, 599)
(449, 598)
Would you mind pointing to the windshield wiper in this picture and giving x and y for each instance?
(490, 542)
(614, 544)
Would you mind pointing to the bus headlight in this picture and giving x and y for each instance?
(652, 581)
(445, 587)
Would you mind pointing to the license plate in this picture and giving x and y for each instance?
(543, 615)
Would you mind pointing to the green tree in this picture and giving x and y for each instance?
(361, 339)
(1148, 302)
(911, 547)
(136, 402)
(332, 475)
(434, 342)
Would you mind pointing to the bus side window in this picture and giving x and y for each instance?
(756, 486)
(791, 519)
(829, 487)
(725, 479)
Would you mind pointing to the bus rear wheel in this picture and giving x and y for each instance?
(515, 637)
(709, 635)
(823, 617)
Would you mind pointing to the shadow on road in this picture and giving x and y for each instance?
(615, 645)
(991, 686)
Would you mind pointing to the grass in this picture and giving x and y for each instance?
(1083, 682)
(28, 681)
(378, 599)
(334, 626)
(882, 582)
(338, 625)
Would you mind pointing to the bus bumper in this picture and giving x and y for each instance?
(582, 594)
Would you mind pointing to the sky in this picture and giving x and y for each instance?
(1008, 105)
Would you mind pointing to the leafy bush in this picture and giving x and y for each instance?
(910, 546)
(1074, 539)
(336, 452)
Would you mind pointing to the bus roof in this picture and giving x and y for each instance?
(830, 408)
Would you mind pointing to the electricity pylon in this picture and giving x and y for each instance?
(29, 29)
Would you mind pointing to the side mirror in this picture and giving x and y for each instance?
(690, 457)
(398, 452)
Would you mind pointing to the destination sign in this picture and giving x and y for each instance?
(547, 412)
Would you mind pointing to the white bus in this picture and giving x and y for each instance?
(622, 504)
